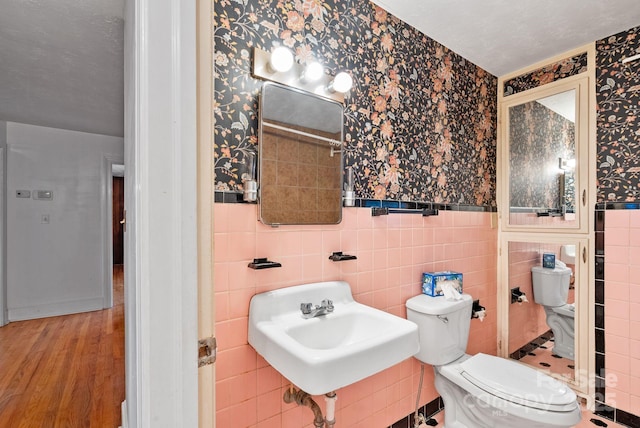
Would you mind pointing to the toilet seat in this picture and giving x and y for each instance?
(507, 380)
(568, 310)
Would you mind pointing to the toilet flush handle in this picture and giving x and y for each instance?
(443, 318)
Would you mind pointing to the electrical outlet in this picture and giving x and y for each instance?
(23, 194)
(45, 219)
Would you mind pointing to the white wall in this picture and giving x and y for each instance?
(56, 268)
(3, 223)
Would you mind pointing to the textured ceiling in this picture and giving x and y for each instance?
(62, 64)
(503, 36)
(61, 61)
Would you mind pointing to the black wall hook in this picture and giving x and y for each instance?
(263, 263)
(337, 256)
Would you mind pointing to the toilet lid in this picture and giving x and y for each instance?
(517, 383)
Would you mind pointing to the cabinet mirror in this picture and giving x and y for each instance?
(544, 134)
(547, 283)
(300, 157)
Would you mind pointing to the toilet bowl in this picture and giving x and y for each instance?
(551, 289)
(483, 390)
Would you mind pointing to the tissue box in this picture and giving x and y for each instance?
(430, 282)
(549, 260)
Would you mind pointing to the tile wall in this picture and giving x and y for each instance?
(618, 328)
(392, 252)
(618, 218)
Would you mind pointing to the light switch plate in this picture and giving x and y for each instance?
(43, 195)
(23, 194)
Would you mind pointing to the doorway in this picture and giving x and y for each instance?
(117, 217)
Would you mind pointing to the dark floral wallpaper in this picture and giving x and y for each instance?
(618, 96)
(547, 74)
(538, 138)
(420, 122)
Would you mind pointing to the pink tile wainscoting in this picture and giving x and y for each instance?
(622, 309)
(393, 251)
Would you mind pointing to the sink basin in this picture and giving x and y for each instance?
(325, 353)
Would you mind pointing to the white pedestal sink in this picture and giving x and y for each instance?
(325, 353)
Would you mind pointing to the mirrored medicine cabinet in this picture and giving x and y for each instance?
(300, 157)
(545, 136)
(546, 139)
(547, 331)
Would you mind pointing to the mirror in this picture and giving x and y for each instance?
(545, 143)
(542, 160)
(542, 313)
(300, 157)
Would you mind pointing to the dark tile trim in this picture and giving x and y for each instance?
(599, 270)
(600, 340)
(605, 411)
(599, 292)
(599, 243)
(626, 418)
(599, 316)
(236, 198)
(599, 226)
(616, 415)
(228, 198)
(428, 410)
(618, 206)
(371, 203)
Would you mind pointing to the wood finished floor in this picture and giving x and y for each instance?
(65, 371)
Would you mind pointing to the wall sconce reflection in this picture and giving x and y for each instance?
(566, 164)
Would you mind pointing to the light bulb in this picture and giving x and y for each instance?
(281, 60)
(342, 82)
(312, 72)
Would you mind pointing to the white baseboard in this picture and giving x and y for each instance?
(123, 411)
(55, 309)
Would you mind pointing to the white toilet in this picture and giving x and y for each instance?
(483, 391)
(551, 289)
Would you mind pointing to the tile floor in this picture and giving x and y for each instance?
(544, 359)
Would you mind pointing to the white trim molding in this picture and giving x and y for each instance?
(162, 388)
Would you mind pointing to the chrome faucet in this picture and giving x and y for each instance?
(308, 311)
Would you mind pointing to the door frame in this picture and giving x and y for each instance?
(4, 319)
(161, 316)
(206, 294)
(107, 227)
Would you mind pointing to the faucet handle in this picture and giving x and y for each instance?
(306, 308)
(327, 304)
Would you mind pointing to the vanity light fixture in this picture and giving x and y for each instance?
(312, 72)
(341, 83)
(280, 66)
(281, 60)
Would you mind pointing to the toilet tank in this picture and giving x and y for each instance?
(550, 286)
(443, 327)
